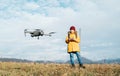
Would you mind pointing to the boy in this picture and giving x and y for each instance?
(73, 41)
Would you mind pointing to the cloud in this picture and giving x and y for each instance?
(31, 6)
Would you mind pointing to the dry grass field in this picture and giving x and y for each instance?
(36, 69)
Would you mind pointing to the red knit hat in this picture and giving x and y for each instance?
(72, 28)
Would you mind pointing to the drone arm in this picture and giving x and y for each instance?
(50, 34)
(28, 32)
(47, 34)
(25, 31)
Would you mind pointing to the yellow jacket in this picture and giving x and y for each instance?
(73, 46)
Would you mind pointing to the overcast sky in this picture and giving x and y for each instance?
(99, 21)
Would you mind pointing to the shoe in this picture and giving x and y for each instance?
(81, 66)
(73, 65)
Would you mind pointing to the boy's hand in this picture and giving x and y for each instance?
(71, 39)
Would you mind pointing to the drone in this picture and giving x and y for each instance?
(37, 33)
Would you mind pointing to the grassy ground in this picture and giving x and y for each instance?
(35, 69)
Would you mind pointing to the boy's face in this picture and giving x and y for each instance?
(72, 31)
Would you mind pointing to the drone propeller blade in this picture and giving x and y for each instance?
(52, 32)
(25, 32)
(36, 29)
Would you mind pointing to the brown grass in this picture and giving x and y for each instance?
(35, 69)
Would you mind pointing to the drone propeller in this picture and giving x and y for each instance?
(52, 32)
(37, 29)
(25, 32)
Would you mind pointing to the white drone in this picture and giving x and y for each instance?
(37, 33)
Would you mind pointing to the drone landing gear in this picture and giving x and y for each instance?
(38, 38)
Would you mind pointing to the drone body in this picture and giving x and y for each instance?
(37, 33)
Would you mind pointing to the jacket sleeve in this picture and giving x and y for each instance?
(66, 40)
